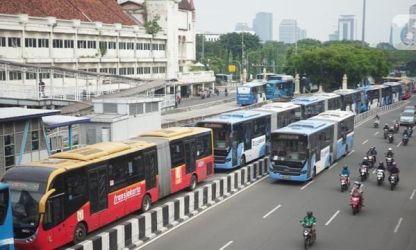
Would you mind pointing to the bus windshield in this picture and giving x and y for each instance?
(244, 90)
(4, 204)
(25, 197)
(221, 133)
(288, 147)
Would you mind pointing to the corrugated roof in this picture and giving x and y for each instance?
(105, 11)
(15, 114)
(56, 121)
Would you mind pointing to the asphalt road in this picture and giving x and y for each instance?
(266, 215)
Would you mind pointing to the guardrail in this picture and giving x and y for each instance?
(373, 112)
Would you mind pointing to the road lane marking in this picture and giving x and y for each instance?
(365, 142)
(398, 145)
(398, 225)
(413, 194)
(274, 209)
(374, 171)
(376, 133)
(332, 218)
(199, 214)
(302, 188)
(352, 151)
(226, 245)
(333, 165)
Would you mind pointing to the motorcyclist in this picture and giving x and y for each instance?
(391, 130)
(381, 166)
(377, 117)
(309, 221)
(365, 161)
(373, 152)
(357, 190)
(394, 170)
(390, 153)
(345, 171)
(386, 126)
(406, 132)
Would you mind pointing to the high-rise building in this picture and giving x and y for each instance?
(412, 13)
(333, 36)
(289, 31)
(243, 28)
(263, 26)
(346, 27)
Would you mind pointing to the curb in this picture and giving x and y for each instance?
(137, 231)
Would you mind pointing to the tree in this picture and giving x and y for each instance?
(232, 42)
(152, 27)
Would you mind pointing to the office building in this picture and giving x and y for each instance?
(263, 26)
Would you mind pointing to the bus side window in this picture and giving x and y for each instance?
(177, 154)
(76, 186)
(138, 164)
(54, 213)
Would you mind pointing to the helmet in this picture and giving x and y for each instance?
(345, 167)
(390, 149)
(386, 124)
(309, 213)
(381, 163)
(365, 158)
(394, 163)
(357, 183)
(373, 147)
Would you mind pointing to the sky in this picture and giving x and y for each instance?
(318, 17)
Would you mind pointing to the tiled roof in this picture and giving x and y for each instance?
(105, 11)
(187, 5)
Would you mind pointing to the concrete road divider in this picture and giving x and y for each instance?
(144, 227)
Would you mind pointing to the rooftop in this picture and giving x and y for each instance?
(187, 5)
(305, 127)
(16, 114)
(105, 11)
(56, 121)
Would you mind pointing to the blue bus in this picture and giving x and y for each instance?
(350, 100)
(396, 90)
(251, 93)
(239, 137)
(301, 150)
(280, 86)
(282, 113)
(332, 101)
(343, 131)
(371, 98)
(266, 77)
(6, 219)
(310, 105)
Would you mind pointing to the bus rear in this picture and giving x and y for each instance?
(6, 220)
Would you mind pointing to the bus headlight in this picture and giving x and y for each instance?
(228, 159)
(303, 172)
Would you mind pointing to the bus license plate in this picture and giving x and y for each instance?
(285, 177)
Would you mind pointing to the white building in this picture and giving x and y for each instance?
(290, 32)
(243, 28)
(346, 28)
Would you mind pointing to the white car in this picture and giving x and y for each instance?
(407, 117)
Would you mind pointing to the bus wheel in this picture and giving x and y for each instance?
(80, 233)
(192, 184)
(146, 203)
(242, 161)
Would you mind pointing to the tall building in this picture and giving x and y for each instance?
(346, 27)
(263, 26)
(290, 32)
(412, 13)
(243, 28)
(334, 36)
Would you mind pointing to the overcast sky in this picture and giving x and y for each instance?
(318, 17)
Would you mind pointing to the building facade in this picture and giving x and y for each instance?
(263, 26)
(243, 28)
(346, 28)
(290, 32)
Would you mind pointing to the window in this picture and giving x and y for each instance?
(155, 46)
(2, 76)
(82, 44)
(104, 70)
(140, 71)
(203, 146)
(152, 107)
(30, 42)
(138, 164)
(177, 154)
(130, 46)
(94, 70)
(30, 76)
(35, 140)
(4, 204)
(136, 108)
(162, 70)
(44, 75)
(76, 185)
(146, 46)
(146, 70)
(130, 71)
(123, 171)
(15, 75)
(43, 43)
(112, 71)
(122, 45)
(69, 44)
(103, 45)
(14, 42)
(123, 71)
(57, 75)
(2, 42)
(139, 46)
(9, 150)
(112, 45)
(162, 47)
(155, 70)
(92, 44)
(110, 108)
(259, 127)
(57, 43)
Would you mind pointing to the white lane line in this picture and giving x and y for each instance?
(374, 171)
(398, 145)
(376, 133)
(412, 195)
(302, 188)
(333, 165)
(364, 142)
(199, 214)
(352, 151)
(398, 225)
(226, 245)
(332, 218)
(274, 209)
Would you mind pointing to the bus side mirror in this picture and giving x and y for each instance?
(43, 201)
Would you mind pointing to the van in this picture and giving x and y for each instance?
(407, 117)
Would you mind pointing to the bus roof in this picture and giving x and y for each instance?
(254, 84)
(303, 100)
(346, 91)
(305, 127)
(392, 84)
(174, 132)
(278, 107)
(327, 95)
(333, 115)
(236, 116)
(372, 87)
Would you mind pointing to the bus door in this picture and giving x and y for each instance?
(151, 170)
(190, 156)
(98, 189)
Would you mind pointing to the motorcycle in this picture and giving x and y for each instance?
(376, 123)
(371, 160)
(363, 172)
(355, 203)
(309, 237)
(393, 181)
(396, 127)
(380, 176)
(391, 138)
(386, 131)
(389, 161)
(345, 182)
(405, 139)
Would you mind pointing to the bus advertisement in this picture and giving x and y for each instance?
(282, 86)
(239, 137)
(6, 218)
(396, 89)
(63, 198)
(350, 100)
(301, 150)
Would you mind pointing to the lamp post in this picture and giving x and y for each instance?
(363, 28)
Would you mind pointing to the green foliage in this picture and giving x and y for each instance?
(233, 41)
(152, 27)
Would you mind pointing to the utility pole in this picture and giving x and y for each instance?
(203, 48)
(363, 30)
(243, 63)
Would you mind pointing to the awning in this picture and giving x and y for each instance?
(56, 121)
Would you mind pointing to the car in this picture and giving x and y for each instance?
(407, 117)
(410, 108)
(406, 95)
